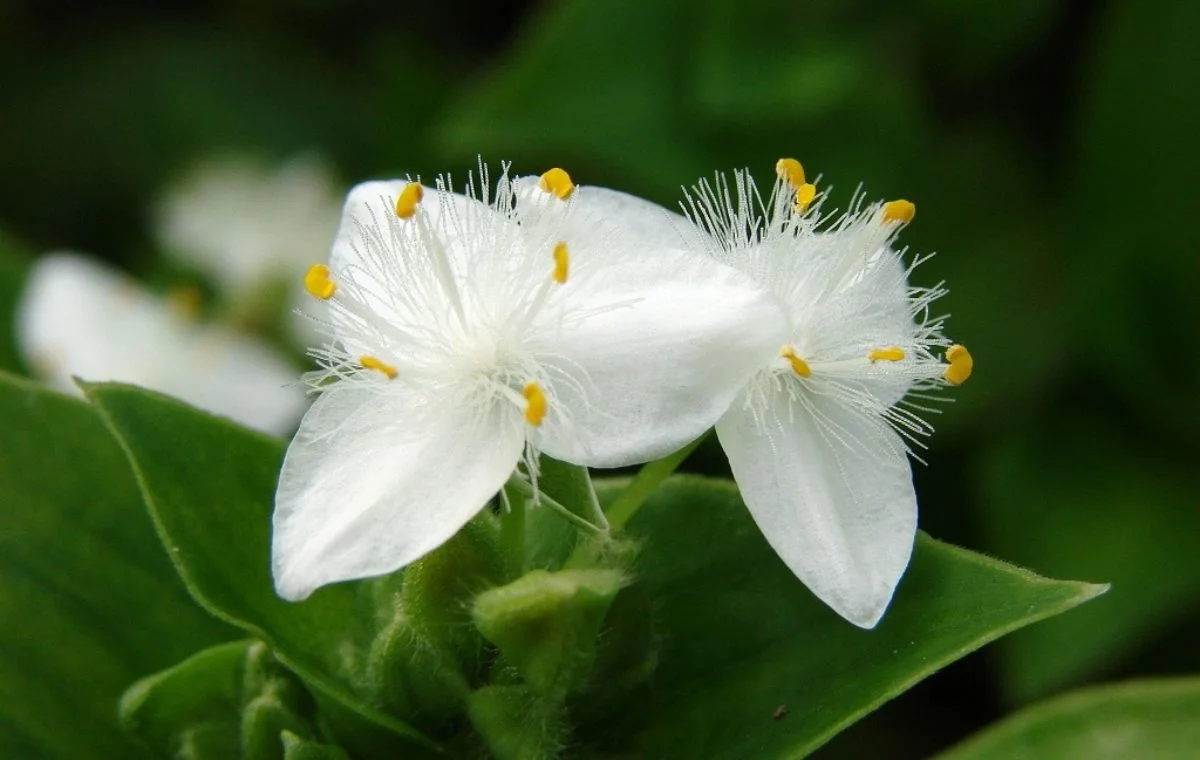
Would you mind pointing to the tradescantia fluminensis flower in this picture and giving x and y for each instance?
(79, 318)
(819, 437)
(468, 335)
(248, 226)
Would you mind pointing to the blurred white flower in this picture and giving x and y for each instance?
(472, 334)
(77, 317)
(819, 438)
(249, 227)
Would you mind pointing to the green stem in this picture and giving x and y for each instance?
(648, 479)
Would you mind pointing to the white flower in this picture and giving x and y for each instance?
(819, 438)
(249, 227)
(471, 334)
(79, 318)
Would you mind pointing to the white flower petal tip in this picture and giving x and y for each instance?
(819, 440)
(79, 318)
(368, 488)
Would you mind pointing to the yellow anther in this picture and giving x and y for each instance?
(318, 283)
(960, 366)
(889, 354)
(186, 301)
(799, 366)
(558, 182)
(562, 262)
(804, 196)
(371, 362)
(535, 404)
(791, 172)
(407, 200)
(899, 211)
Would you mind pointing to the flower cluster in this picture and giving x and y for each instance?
(471, 332)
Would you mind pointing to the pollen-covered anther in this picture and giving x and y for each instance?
(186, 301)
(791, 172)
(557, 181)
(318, 282)
(899, 211)
(562, 262)
(805, 194)
(407, 200)
(888, 354)
(535, 404)
(960, 364)
(799, 366)
(371, 362)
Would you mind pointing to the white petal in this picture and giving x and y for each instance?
(832, 492)
(637, 220)
(665, 341)
(238, 377)
(390, 266)
(79, 318)
(873, 311)
(246, 224)
(368, 205)
(374, 481)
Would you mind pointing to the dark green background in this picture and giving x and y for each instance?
(1050, 148)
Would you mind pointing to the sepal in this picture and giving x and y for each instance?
(545, 624)
(517, 723)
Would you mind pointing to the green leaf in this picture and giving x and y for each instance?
(210, 487)
(88, 597)
(229, 701)
(570, 486)
(1140, 719)
(199, 697)
(741, 636)
(1060, 514)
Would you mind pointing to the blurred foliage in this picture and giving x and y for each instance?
(76, 572)
(1050, 148)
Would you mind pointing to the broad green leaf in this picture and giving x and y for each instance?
(199, 697)
(740, 636)
(210, 487)
(1060, 514)
(88, 598)
(1140, 719)
(570, 486)
(229, 701)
